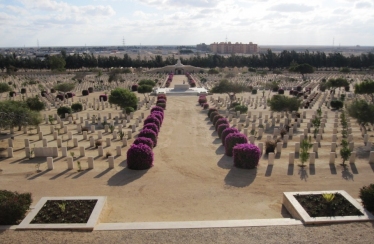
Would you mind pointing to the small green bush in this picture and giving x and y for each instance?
(129, 110)
(77, 107)
(254, 91)
(13, 206)
(270, 147)
(61, 111)
(367, 197)
(336, 104)
(241, 108)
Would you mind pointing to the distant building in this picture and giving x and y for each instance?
(202, 47)
(228, 47)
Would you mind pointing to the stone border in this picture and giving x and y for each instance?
(89, 226)
(298, 212)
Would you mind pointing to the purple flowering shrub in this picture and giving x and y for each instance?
(161, 100)
(103, 98)
(144, 140)
(220, 122)
(202, 100)
(156, 108)
(153, 119)
(205, 105)
(221, 128)
(149, 134)
(139, 157)
(212, 115)
(159, 113)
(158, 116)
(151, 126)
(163, 96)
(227, 131)
(216, 118)
(232, 140)
(134, 87)
(85, 93)
(211, 110)
(246, 156)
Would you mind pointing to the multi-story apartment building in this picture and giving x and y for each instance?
(228, 47)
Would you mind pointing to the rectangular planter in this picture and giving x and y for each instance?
(89, 226)
(297, 211)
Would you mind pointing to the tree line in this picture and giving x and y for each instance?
(268, 59)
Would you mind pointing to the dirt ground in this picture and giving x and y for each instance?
(191, 179)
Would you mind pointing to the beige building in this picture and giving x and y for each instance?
(228, 47)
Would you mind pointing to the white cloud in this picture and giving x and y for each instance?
(291, 7)
(363, 5)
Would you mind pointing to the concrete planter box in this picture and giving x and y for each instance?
(298, 212)
(89, 226)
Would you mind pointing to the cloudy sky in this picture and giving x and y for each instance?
(185, 22)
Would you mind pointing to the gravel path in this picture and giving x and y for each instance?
(340, 233)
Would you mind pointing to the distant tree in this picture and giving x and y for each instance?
(123, 98)
(147, 82)
(345, 70)
(145, 89)
(302, 69)
(230, 88)
(362, 111)
(336, 83)
(366, 87)
(56, 63)
(64, 87)
(280, 103)
(4, 88)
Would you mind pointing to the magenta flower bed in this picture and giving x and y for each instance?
(162, 96)
(211, 110)
(144, 140)
(60, 96)
(139, 157)
(205, 105)
(246, 156)
(134, 87)
(221, 128)
(202, 100)
(103, 98)
(232, 140)
(161, 100)
(149, 134)
(226, 132)
(216, 118)
(153, 119)
(70, 94)
(158, 113)
(212, 115)
(151, 126)
(158, 116)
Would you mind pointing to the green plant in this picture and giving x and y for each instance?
(111, 128)
(121, 134)
(72, 154)
(77, 107)
(329, 197)
(98, 143)
(241, 108)
(270, 146)
(129, 110)
(51, 119)
(79, 166)
(108, 154)
(61, 111)
(305, 145)
(62, 206)
(336, 104)
(367, 197)
(345, 153)
(13, 206)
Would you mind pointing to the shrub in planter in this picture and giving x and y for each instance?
(254, 91)
(270, 146)
(162, 105)
(151, 126)
(144, 140)
(211, 117)
(134, 87)
(90, 89)
(153, 119)
(149, 134)
(211, 110)
(103, 98)
(336, 104)
(23, 90)
(156, 108)
(232, 140)
(202, 100)
(246, 156)
(139, 157)
(280, 91)
(226, 132)
(241, 108)
(13, 207)
(220, 122)
(158, 116)
(85, 92)
(205, 105)
(53, 90)
(61, 111)
(77, 107)
(60, 96)
(367, 197)
(221, 128)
